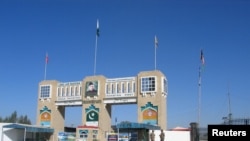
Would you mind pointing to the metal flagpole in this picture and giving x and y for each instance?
(45, 71)
(46, 62)
(97, 35)
(155, 57)
(95, 54)
(156, 45)
(199, 96)
(202, 62)
(229, 108)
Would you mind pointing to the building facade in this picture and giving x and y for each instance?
(96, 95)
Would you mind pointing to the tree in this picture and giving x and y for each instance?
(24, 120)
(13, 118)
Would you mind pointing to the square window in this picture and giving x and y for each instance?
(148, 84)
(45, 91)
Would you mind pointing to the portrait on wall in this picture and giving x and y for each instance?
(91, 88)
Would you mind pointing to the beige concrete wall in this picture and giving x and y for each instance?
(104, 123)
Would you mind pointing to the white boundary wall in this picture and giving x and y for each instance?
(9, 134)
(172, 135)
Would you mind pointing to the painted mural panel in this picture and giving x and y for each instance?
(92, 116)
(45, 117)
(149, 114)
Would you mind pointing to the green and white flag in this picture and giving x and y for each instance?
(97, 29)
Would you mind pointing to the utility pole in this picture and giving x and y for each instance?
(229, 108)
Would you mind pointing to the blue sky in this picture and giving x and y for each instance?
(66, 30)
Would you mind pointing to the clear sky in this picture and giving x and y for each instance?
(66, 29)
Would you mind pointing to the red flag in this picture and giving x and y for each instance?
(47, 58)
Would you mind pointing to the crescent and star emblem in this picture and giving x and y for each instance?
(91, 116)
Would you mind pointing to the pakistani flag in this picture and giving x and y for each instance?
(97, 29)
(92, 116)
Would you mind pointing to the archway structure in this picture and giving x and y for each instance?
(96, 95)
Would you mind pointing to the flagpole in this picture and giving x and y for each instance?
(156, 45)
(96, 39)
(199, 96)
(155, 56)
(45, 71)
(202, 62)
(95, 54)
(46, 62)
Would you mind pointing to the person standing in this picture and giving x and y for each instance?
(152, 136)
(162, 135)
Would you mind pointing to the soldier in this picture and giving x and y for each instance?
(152, 136)
(162, 135)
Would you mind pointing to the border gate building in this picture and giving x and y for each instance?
(96, 95)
